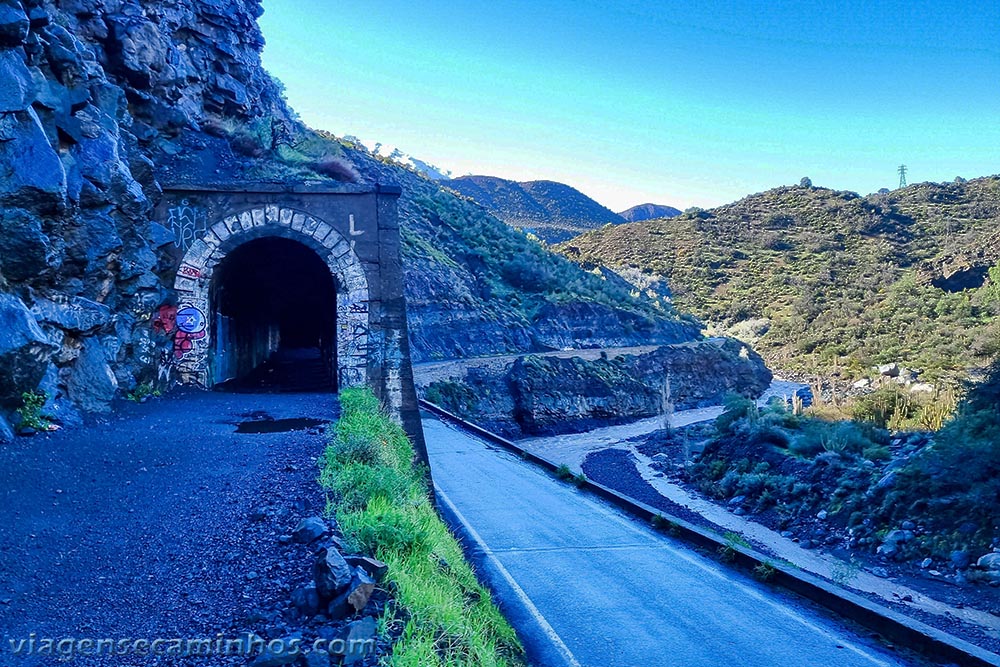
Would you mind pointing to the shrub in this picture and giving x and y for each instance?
(142, 391)
(30, 412)
(770, 434)
(524, 273)
(333, 167)
(877, 453)
(456, 397)
(955, 482)
(765, 572)
(736, 408)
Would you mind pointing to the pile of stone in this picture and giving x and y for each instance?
(894, 375)
(341, 589)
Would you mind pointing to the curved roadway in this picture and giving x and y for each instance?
(586, 586)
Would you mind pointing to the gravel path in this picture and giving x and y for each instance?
(615, 468)
(158, 522)
(573, 448)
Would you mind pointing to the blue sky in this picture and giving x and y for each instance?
(689, 104)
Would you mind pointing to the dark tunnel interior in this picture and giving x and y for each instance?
(274, 315)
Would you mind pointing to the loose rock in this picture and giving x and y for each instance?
(375, 568)
(309, 530)
(332, 573)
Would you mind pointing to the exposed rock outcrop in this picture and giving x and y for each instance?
(545, 395)
(94, 95)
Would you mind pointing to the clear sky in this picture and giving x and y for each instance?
(691, 103)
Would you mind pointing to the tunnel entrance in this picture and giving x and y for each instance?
(273, 306)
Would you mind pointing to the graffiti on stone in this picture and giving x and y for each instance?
(191, 327)
(359, 347)
(190, 320)
(189, 271)
(165, 368)
(354, 348)
(394, 371)
(352, 230)
(165, 320)
(188, 223)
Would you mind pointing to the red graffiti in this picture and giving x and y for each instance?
(165, 320)
(184, 342)
(189, 271)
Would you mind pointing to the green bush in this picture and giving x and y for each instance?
(736, 408)
(956, 481)
(30, 412)
(142, 391)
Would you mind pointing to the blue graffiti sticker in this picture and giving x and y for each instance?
(190, 320)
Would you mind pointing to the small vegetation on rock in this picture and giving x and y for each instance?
(30, 415)
(733, 543)
(380, 499)
(765, 571)
(142, 392)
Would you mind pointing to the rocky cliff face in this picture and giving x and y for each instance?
(546, 395)
(104, 102)
(93, 95)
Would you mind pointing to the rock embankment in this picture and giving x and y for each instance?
(547, 395)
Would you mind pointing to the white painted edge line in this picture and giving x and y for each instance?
(518, 591)
(617, 515)
(655, 540)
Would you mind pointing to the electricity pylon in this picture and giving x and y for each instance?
(902, 175)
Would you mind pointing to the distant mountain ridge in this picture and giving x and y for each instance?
(552, 211)
(649, 212)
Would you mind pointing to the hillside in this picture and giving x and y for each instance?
(649, 212)
(98, 124)
(475, 286)
(552, 211)
(828, 283)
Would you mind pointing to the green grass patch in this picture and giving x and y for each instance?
(444, 616)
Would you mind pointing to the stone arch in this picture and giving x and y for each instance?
(193, 280)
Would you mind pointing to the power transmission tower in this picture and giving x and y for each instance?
(902, 175)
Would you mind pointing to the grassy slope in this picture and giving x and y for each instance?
(844, 281)
(382, 506)
(458, 258)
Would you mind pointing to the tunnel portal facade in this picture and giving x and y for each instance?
(259, 268)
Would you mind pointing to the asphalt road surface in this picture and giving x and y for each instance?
(587, 586)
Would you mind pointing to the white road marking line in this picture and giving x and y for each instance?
(639, 529)
(521, 594)
(631, 525)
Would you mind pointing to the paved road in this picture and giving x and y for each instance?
(160, 522)
(587, 586)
